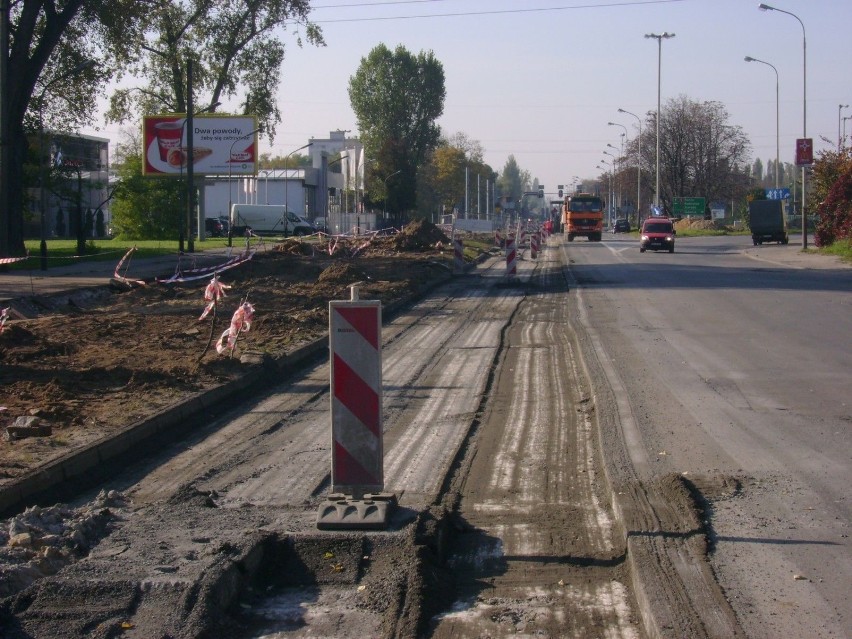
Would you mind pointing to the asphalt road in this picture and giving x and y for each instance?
(732, 366)
(543, 425)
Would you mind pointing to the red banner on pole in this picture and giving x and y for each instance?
(804, 151)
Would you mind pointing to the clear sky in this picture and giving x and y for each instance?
(540, 79)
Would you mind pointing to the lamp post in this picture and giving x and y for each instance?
(621, 155)
(777, 103)
(638, 168)
(385, 182)
(659, 38)
(840, 107)
(230, 201)
(287, 182)
(613, 213)
(766, 7)
(609, 171)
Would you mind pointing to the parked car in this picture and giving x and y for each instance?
(658, 234)
(621, 226)
(213, 227)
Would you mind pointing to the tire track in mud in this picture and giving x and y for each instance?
(537, 551)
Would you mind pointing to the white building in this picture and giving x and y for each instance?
(331, 188)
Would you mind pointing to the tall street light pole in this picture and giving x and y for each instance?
(766, 7)
(659, 38)
(840, 107)
(777, 111)
(638, 168)
(287, 182)
(617, 178)
(609, 171)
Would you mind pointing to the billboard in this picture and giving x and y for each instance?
(221, 145)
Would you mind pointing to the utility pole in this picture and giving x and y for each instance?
(190, 173)
(5, 214)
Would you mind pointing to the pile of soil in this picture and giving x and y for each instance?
(106, 358)
(699, 225)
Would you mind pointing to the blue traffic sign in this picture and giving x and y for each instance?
(778, 194)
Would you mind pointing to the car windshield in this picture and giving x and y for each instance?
(658, 227)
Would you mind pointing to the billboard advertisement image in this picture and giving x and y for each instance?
(221, 145)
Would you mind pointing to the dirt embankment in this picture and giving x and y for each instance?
(101, 360)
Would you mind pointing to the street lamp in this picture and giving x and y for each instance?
(287, 182)
(612, 209)
(659, 38)
(766, 7)
(230, 201)
(609, 172)
(840, 107)
(638, 168)
(777, 138)
(385, 182)
(82, 66)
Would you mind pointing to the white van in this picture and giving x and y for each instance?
(268, 219)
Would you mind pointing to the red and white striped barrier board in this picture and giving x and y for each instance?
(356, 397)
(511, 257)
(458, 256)
(534, 246)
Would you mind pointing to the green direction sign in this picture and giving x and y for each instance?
(688, 206)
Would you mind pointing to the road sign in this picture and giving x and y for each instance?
(688, 206)
(778, 194)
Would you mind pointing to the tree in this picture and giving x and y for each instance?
(512, 181)
(397, 98)
(830, 194)
(701, 154)
(48, 82)
(446, 171)
(235, 51)
(144, 207)
(757, 171)
(269, 161)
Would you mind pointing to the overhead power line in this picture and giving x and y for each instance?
(625, 3)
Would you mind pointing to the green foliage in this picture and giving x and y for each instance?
(147, 207)
(511, 181)
(51, 81)
(397, 98)
(236, 49)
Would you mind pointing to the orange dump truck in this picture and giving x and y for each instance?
(582, 216)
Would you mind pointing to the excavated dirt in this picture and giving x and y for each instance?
(105, 358)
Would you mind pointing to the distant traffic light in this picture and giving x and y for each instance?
(560, 192)
(541, 192)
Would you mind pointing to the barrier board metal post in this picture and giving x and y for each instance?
(534, 245)
(357, 454)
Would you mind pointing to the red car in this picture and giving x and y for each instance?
(658, 234)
